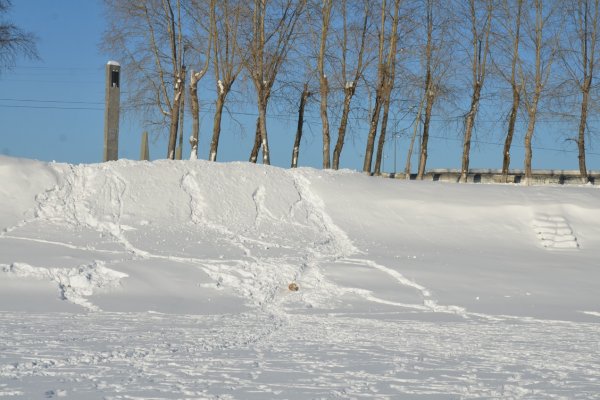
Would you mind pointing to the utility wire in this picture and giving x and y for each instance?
(52, 107)
(50, 101)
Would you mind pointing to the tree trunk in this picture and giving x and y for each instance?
(195, 115)
(469, 123)
(479, 61)
(337, 151)
(510, 133)
(373, 131)
(516, 91)
(381, 71)
(179, 152)
(412, 141)
(350, 86)
(324, 84)
(425, 138)
(174, 121)
(256, 147)
(429, 91)
(264, 141)
(297, 141)
(581, 137)
(382, 132)
(528, 139)
(388, 78)
(214, 143)
(325, 121)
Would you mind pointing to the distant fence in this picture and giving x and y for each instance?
(539, 177)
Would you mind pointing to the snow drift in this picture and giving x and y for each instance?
(245, 232)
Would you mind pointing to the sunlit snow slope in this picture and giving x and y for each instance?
(164, 241)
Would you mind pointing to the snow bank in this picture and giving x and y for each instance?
(219, 232)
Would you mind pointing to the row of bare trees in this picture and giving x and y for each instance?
(364, 60)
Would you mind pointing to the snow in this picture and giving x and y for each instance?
(116, 63)
(170, 279)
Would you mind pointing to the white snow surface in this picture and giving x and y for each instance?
(169, 280)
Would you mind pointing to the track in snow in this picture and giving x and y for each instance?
(147, 355)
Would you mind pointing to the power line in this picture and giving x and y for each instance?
(50, 101)
(63, 68)
(51, 107)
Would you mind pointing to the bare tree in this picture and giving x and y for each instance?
(580, 62)
(350, 84)
(227, 60)
(379, 91)
(513, 33)
(269, 44)
(388, 85)
(480, 44)
(543, 30)
(174, 31)
(323, 82)
(433, 75)
(201, 43)
(14, 41)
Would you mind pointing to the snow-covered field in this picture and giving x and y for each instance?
(137, 280)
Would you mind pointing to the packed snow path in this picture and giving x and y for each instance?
(169, 280)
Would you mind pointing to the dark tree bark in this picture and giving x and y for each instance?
(214, 143)
(256, 146)
(295, 152)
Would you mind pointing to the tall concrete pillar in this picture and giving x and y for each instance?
(111, 111)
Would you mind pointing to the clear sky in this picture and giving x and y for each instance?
(53, 109)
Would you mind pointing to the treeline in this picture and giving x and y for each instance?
(367, 58)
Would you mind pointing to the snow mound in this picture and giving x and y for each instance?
(75, 284)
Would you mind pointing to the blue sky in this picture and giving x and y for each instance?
(52, 109)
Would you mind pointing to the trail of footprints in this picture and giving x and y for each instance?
(554, 232)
